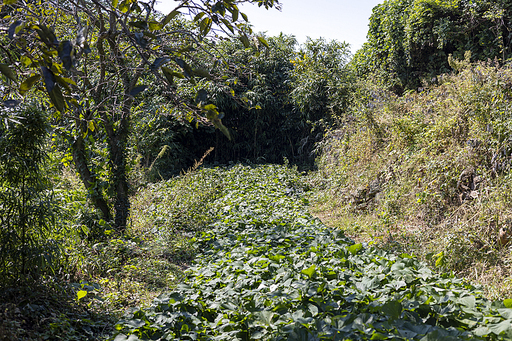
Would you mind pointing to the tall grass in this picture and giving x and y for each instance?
(429, 173)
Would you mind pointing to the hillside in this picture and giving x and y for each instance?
(428, 173)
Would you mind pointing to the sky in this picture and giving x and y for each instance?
(343, 20)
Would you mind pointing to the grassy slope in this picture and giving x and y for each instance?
(431, 177)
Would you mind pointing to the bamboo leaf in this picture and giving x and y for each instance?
(7, 72)
(29, 83)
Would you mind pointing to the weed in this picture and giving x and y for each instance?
(443, 166)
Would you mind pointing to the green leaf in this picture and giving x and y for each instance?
(234, 15)
(392, 309)
(201, 96)
(65, 54)
(186, 68)
(154, 25)
(201, 72)
(205, 26)
(440, 261)
(264, 317)
(169, 17)
(7, 72)
(218, 124)
(309, 271)
(263, 41)
(47, 35)
(62, 80)
(508, 303)
(501, 327)
(353, 249)
(159, 62)
(468, 301)
(29, 83)
(199, 16)
(14, 29)
(245, 40)
(57, 99)
(170, 74)
(125, 6)
(63, 83)
(379, 336)
(142, 24)
(137, 90)
(81, 294)
(228, 25)
(49, 79)
(114, 3)
(10, 2)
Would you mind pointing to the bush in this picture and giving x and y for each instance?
(26, 205)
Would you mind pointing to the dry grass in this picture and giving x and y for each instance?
(427, 203)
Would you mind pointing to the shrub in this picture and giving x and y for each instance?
(26, 205)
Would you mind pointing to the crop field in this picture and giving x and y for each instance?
(269, 270)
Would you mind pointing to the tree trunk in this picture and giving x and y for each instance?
(118, 164)
(89, 179)
(117, 141)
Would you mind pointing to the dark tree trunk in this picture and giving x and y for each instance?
(118, 165)
(117, 140)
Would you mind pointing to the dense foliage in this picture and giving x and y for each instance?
(286, 99)
(92, 62)
(429, 173)
(268, 270)
(409, 41)
(27, 207)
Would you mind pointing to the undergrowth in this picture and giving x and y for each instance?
(267, 269)
(104, 272)
(429, 173)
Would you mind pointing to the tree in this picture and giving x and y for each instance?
(286, 93)
(409, 41)
(262, 123)
(321, 81)
(92, 60)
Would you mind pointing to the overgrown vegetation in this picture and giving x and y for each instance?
(267, 269)
(103, 272)
(109, 111)
(27, 207)
(428, 173)
(409, 41)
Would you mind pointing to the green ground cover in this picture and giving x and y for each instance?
(267, 269)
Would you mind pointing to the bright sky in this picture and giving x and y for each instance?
(343, 20)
